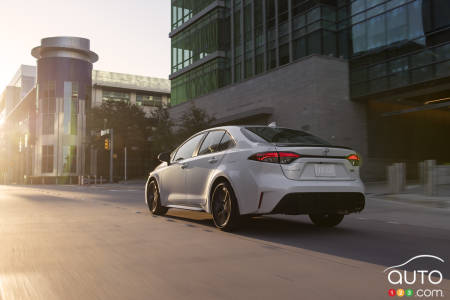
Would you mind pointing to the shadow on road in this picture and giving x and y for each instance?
(44, 197)
(372, 241)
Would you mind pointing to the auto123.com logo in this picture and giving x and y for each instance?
(427, 280)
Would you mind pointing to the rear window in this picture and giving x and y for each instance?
(286, 136)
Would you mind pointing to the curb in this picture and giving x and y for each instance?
(443, 203)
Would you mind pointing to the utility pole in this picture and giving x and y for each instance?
(111, 157)
(125, 164)
(109, 145)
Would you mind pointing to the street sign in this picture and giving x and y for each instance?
(104, 132)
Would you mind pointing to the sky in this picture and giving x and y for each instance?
(130, 36)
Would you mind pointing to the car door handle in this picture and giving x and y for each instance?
(184, 165)
(212, 160)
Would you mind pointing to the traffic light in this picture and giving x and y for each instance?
(106, 144)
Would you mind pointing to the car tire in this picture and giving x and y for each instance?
(224, 207)
(154, 199)
(326, 220)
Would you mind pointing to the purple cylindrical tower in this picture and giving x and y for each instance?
(64, 85)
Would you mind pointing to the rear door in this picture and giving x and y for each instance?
(202, 165)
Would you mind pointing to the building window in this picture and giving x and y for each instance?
(248, 44)
(71, 107)
(259, 61)
(48, 123)
(149, 100)
(376, 32)
(47, 90)
(115, 96)
(199, 40)
(183, 10)
(70, 159)
(284, 54)
(197, 82)
(47, 159)
(48, 107)
(397, 28)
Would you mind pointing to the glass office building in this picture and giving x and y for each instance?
(396, 43)
(389, 44)
(377, 68)
(200, 38)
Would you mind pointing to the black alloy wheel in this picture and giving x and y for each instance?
(154, 200)
(224, 207)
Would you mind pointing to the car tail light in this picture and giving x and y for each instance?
(275, 157)
(354, 160)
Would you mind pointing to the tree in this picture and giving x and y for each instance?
(163, 138)
(132, 129)
(147, 135)
(130, 124)
(193, 120)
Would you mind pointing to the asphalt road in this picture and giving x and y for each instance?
(70, 242)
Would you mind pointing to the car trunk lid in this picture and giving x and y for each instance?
(319, 163)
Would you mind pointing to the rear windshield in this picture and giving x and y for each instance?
(286, 136)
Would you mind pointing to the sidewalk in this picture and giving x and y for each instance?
(134, 182)
(413, 194)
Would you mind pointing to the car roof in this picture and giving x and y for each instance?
(228, 127)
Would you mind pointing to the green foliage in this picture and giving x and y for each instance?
(162, 136)
(131, 126)
(151, 135)
(193, 121)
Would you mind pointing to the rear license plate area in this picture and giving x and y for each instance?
(325, 170)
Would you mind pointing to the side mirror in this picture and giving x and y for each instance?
(164, 157)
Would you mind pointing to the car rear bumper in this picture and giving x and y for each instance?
(319, 203)
(304, 197)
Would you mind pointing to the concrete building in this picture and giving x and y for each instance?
(372, 75)
(146, 92)
(43, 111)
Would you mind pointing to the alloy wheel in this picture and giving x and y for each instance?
(221, 205)
(153, 197)
(154, 200)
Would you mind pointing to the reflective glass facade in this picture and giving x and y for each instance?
(396, 43)
(48, 107)
(184, 10)
(47, 158)
(389, 44)
(197, 41)
(201, 80)
(69, 159)
(71, 107)
(205, 43)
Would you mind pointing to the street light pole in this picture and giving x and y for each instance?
(125, 164)
(111, 157)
